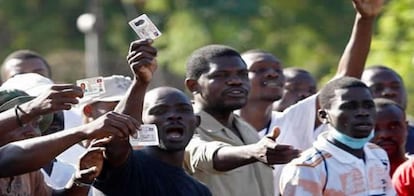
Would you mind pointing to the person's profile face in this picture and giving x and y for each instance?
(226, 85)
(174, 116)
(352, 112)
(391, 130)
(385, 84)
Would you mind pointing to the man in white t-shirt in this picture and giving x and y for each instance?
(341, 161)
(297, 123)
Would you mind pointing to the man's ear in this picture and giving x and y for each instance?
(192, 85)
(87, 110)
(323, 116)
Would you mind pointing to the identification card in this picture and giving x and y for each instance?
(144, 27)
(147, 136)
(91, 86)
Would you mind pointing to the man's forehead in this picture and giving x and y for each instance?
(166, 96)
(379, 76)
(252, 58)
(352, 93)
(391, 110)
(226, 63)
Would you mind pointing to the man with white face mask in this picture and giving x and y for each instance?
(341, 161)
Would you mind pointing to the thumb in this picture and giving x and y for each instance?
(274, 134)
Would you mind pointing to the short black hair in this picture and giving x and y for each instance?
(25, 55)
(198, 62)
(385, 68)
(383, 102)
(328, 91)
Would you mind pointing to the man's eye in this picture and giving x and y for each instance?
(157, 111)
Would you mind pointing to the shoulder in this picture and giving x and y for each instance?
(376, 150)
(311, 158)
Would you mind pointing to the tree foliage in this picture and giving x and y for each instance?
(307, 34)
(393, 44)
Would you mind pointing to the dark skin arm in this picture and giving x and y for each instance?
(33, 150)
(59, 97)
(141, 58)
(353, 59)
(266, 151)
(352, 62)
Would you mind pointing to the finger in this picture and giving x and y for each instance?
(94, 149)
(140, 56)
(70, 92)
(132, 123)
(64, 101)
(83, 172)
(137, 44)
(119, 129)
(274, 134)
(283, 147)
(101, 142)
(60, 87)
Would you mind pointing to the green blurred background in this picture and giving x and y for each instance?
(308, 34)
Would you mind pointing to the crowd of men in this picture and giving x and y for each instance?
(250, 127)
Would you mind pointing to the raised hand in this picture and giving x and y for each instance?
(91, 162)
(141, 58)
(269, 152)
(111, 124)
(368, 8)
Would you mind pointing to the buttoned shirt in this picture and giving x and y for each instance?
(249, 180)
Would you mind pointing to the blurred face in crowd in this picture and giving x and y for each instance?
(171, 111)
(299, 85)
(265, 75)
(391, 130)
(352, 112)
(18, 66)
(385, 83)
(224, 87)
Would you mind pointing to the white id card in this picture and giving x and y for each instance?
(147, 136)
(144, 27)
(91, 86)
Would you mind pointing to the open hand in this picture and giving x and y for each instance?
(269, 152)
(91, 162)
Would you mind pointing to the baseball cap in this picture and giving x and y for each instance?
(12, 97)
(32, 83)
(115, 88)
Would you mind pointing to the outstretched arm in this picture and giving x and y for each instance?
(141, 58)
(15, 156)
(266, 151)
(58, 97)
(353, 59)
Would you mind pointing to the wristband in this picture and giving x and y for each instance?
(16, 112)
